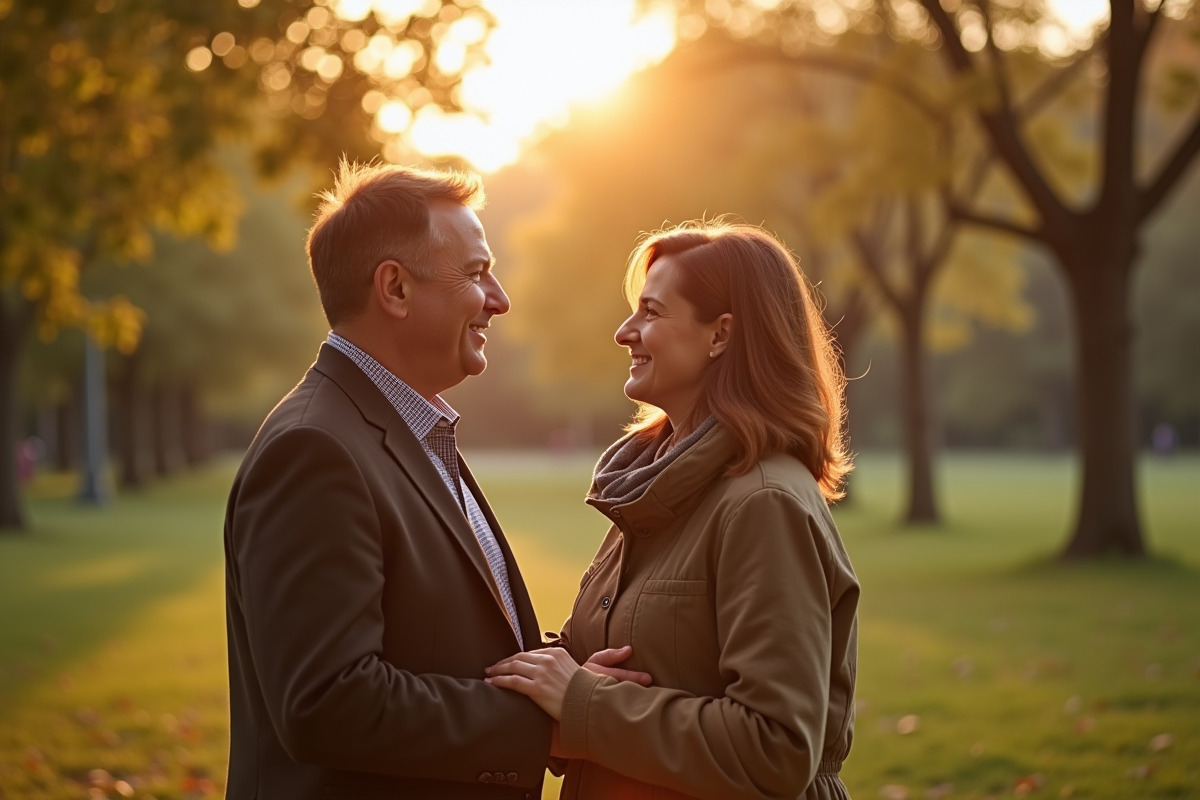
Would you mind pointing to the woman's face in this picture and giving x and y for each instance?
(669, 347)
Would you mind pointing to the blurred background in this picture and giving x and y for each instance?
(997, 201)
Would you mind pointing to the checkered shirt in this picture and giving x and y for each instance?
(433, 423)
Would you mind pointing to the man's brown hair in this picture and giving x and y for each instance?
(377, 212)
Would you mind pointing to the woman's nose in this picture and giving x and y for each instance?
(627, 333)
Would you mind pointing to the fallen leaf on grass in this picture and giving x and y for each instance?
(1028, 784)
(1161, 742)
(1141, 772)
(907, 724)
(939, 791)
(893, 791)
(34, 760)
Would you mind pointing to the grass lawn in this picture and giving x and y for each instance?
(985, 671)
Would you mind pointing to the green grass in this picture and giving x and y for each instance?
(1007, 673)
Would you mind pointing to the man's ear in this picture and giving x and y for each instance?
(721, 331)
(392, 287)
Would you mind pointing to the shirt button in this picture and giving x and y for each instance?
(606, 602)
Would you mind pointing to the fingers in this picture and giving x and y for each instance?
(611, 657)
(632, 676)
(516, 683)
(527, 663)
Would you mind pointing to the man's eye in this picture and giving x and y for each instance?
(477, 276)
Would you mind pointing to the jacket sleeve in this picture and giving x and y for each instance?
(764, 738)
(307, 550)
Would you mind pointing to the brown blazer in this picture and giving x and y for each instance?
(361, 613)
(738, 597)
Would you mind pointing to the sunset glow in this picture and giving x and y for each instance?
(546, 56)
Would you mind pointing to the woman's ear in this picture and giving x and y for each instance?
(722, 328)
(392, 287)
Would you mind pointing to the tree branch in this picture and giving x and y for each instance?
(995, 223)
(1049, 89)
(862, 70)
(1170, 172)
(1147, 32)
(1000, 126)
(994, 56)
(871, 261)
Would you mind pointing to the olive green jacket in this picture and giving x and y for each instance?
(738, 597)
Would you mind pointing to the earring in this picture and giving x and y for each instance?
(712, 355)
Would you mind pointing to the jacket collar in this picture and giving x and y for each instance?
(677, 488)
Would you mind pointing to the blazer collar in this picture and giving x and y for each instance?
(410, 456)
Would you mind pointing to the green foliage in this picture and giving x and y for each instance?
(981, 665)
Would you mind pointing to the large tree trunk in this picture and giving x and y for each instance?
(918, 430)
(11, 516)
(16, 315)
(130, 421)
(1108, 521)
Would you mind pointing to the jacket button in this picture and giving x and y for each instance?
(606, 602)
(485, 777)
(616, 512)
(512, 777)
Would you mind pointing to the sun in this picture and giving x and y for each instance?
(544, 58)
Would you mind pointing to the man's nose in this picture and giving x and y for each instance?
(497, 298)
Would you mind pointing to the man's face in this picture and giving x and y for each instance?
(450, 312)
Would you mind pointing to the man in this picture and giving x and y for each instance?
(368, 583)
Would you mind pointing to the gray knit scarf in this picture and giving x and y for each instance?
(628, 467)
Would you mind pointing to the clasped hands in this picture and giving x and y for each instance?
(543, 675)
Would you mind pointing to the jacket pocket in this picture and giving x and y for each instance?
(676, 587)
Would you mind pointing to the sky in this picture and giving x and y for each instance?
(539, 67)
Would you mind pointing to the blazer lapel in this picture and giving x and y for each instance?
(408, 454)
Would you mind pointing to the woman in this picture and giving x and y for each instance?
(723, 568)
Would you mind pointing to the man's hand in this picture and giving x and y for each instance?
(603, 662)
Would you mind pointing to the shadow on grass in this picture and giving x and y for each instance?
(81, 574)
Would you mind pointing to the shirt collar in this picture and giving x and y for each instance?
(419, 414)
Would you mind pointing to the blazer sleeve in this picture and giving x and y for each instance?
(307, 547)
(765, 737)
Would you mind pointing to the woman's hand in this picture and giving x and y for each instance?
(541, 675)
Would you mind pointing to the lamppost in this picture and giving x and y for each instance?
(94, 490)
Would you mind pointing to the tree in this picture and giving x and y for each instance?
(112, 115)
(1096, 235)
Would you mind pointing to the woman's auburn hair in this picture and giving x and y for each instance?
(778, 387)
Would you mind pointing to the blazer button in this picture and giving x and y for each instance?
(485, 777)
(606, 602)
(616, 512)
(512, 777)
